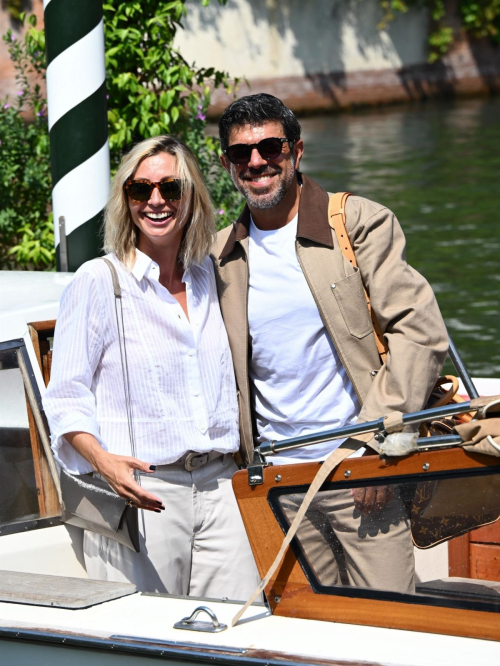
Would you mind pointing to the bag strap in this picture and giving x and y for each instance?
(123, 355)
(337, 221)
(334, 459)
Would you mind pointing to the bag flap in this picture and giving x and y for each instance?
(92, 499)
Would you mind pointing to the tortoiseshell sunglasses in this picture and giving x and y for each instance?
(140, 190)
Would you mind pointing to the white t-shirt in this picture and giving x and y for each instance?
(299, 385)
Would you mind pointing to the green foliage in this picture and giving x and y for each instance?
(26, 235)
(151, 90)
(227, 200)
(440, 41)
(151, 87)
(480, 18)
(14, 8)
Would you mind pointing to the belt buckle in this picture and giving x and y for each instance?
(188, 463)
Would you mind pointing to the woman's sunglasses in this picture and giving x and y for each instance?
(140, 190)
(269, 149)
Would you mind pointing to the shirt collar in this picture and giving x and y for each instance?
(142, 265)
(312, 224)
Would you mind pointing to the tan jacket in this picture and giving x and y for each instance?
(401, 298)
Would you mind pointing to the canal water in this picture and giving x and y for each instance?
(437, 166)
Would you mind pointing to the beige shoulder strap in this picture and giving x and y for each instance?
(334, 459)
(336, 219)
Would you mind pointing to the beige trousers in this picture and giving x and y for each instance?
(344, 547)
(197, 546)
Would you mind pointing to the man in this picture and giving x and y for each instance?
(302, 340)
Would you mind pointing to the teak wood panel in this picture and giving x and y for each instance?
(368, 467)
(485, 561)
(48, 502)
(289, 593)
(487, 534)
(459, 556)
(469, 562)
(47, 325)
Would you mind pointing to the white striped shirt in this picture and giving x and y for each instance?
(182, 385)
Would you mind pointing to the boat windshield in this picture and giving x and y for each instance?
(406, 537)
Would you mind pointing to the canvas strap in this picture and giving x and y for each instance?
(334, 459)
(337, 221)
(123, 358)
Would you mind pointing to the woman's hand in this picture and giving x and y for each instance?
(116, 470)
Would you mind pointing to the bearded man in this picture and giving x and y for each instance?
(302, 339)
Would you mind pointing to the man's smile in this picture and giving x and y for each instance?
(259, 179)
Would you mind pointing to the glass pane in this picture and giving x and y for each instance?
(395, 538)
(18, 490)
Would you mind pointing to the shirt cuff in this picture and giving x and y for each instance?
(64, 453)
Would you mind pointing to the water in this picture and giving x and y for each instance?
(437, 166)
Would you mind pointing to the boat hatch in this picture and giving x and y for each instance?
(446, 501)
(58, 591)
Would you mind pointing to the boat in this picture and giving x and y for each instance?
(50, 612)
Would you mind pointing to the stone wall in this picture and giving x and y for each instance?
(318, 54)
(327, 54)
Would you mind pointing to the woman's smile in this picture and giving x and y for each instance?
(156, 218)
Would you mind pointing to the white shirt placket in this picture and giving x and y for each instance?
(193, 368)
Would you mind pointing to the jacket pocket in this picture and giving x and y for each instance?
(351, 300)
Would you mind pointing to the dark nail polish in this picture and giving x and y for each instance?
(157, 510)
(152, 468)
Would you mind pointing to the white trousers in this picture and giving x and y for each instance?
(197, 546)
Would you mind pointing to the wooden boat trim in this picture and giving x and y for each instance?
(289, 593)
(46, 325)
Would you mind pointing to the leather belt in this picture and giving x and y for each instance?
(194, 460)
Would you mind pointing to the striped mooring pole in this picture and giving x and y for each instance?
(76, 96)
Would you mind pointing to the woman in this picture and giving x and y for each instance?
(158, 230)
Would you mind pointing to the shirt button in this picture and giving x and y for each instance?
(333, 286)
(196, 394)
(190, 352)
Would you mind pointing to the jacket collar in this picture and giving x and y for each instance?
(312, 223)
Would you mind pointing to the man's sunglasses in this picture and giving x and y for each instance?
(140, 190)
(269, 149)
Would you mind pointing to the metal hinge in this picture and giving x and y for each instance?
(256, 469)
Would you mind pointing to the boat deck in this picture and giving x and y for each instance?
(142, 624)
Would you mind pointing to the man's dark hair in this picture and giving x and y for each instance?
(254, 110)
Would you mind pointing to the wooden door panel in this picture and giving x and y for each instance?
(487, 534)
(485, 561)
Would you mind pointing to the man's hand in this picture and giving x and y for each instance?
(372, 498)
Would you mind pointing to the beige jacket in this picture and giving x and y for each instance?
(401, 298)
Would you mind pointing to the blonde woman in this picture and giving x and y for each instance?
(158, 231)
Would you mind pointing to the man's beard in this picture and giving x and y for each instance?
(271, 199)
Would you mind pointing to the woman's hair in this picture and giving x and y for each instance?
(195, 210)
